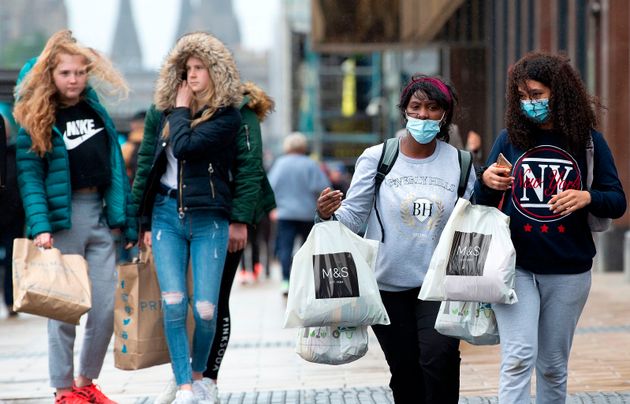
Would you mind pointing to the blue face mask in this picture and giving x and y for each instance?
(536, 110)
(423, 130)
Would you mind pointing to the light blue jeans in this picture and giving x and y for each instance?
(538, 331)
(202, 236)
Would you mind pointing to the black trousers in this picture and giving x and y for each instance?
(424, 364)
(222, 335)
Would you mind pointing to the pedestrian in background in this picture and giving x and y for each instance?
(184, 182)
(475, 146)
(412, 206)
(132, 145)
(550, 121)
(74, 188)
(11, 211)
(296, 181)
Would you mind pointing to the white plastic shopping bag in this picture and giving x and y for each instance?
(472, 322)
(474, 260)
(332, 345)
(332, 280)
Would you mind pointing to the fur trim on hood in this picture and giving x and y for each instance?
(214, 54)
(257, 100)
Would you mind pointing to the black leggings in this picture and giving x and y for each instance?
(424, 364)
(252, 240)
(222, 335)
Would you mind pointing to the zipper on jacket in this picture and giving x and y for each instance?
(180, 188)
(247, 136)
(210, 171)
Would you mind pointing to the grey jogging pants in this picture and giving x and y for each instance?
(90, 237)
(538, 331)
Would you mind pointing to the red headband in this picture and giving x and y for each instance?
(436, 82)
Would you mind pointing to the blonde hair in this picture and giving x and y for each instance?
(37, 96)
(199, 101)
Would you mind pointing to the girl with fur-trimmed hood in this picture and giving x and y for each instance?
(186, 197)
(252, 197)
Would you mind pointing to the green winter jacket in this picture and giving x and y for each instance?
(45, 182)
(253, 196)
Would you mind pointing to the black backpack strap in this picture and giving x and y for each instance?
(465, 161)
(385, 164)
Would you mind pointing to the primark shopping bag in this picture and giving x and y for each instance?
(474, 260)
(139, 340)
(472, 322)
(332, 280)
(50, 284)
(332, 345)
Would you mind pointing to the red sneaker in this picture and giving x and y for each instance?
(69, 397)
(92, 393)
(258, 269)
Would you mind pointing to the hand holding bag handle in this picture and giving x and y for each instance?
(50, 284)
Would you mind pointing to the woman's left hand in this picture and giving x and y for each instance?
(569, 201)
(237, 237)
(184, 95)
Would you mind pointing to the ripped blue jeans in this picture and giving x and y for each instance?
(202, 236)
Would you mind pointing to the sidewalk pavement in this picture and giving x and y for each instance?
(261, 366)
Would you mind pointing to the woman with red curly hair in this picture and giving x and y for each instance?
(550, 121)
(75, 189)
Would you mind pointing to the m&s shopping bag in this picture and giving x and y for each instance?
(472, 322)
(332, 345)
(474, 260)
(332, 280)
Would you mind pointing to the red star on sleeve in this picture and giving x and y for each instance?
(544, 228)
(527, 228)
(561, 229)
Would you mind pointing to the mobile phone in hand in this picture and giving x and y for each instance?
(503, 162)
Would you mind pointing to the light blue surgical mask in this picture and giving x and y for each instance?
(536, 110)
(423, 130)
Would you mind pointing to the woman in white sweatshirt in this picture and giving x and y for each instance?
(413, 204)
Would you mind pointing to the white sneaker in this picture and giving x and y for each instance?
(168, 394)
(185, 397)
(206, 391)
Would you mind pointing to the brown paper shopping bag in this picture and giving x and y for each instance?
(139, 340)
(48, 283)
(139, 334)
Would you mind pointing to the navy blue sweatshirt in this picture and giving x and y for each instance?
(547, 243)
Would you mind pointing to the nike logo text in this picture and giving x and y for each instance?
(78, 132)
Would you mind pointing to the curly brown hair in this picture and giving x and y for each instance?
(430, 86)
(571, 108)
